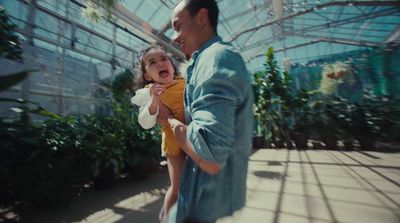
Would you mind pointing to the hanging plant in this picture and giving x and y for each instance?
(10, 45)
(97, 9)
(333, 75)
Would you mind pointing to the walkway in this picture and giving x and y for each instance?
(312, 186)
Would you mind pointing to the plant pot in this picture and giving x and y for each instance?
(330, 142)
(279, 144)
(4, 190)
(105, 179)
(367, 143)
(317, 145)
(259, 142)
(348, 145)
(290, 144)
(300, 139)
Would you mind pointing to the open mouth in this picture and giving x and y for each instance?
(163, 73)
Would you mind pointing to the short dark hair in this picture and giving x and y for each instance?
(194, 6)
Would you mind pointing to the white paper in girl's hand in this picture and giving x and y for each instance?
(142, 97)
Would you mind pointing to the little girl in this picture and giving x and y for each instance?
(160, 83)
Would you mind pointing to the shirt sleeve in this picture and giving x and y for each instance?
(143, 99)
(145, 119)
(212, 129)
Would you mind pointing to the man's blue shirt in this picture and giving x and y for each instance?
(218, 109)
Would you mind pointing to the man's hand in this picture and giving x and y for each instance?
(180, 130)
(163, 115)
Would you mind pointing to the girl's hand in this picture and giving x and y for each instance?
(156, 91)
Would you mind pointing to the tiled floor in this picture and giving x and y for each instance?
(285, 186)
(321, 186)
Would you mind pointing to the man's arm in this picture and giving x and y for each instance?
(165, 118)
(180, 131)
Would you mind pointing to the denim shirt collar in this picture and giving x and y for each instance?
(196, 54)
(205, 45)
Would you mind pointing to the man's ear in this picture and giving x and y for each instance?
(202, 17)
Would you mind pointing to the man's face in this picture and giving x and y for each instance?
(187, 30)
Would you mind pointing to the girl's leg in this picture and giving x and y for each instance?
(175, 164)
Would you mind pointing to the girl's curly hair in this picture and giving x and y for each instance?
(139, 80)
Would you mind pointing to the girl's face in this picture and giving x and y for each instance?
(158, 67)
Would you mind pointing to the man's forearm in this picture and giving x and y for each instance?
(180, 131)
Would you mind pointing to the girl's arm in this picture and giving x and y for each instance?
(148, 110)
(146, 118)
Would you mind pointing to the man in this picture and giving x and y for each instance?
(218, 109)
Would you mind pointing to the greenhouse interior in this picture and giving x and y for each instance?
(325, 75)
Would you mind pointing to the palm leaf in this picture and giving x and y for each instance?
(13, 79)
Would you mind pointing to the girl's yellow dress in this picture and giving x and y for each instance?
(172, 98)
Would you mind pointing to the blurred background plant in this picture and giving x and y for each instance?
(48, 162)
(338, 108)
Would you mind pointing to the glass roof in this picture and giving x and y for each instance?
(299, 30)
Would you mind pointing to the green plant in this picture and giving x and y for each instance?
(10, 45)
(389, 123)
(141, 145)
(62, 135)
(101, 144)
(19, 139)
(365, 120)
(17, 142)
(97, 9)
(53, 165)
(273, 101)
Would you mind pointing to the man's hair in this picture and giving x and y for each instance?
(194, 6)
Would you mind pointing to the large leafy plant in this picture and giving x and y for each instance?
(273, 100)
(10, 45)
(141, 145)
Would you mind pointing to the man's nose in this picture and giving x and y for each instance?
(175, 38)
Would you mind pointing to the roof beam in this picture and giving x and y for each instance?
(122, 13)
(319, 40)
(317, 7)
(324, 25)
(395, 35)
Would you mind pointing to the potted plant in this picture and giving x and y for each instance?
(273, 102)
(106, 156)
(364, 125)
(303, 118)
(104, 148)
(142, 153)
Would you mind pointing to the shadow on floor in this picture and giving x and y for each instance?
(268, 174)
(128, 201)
